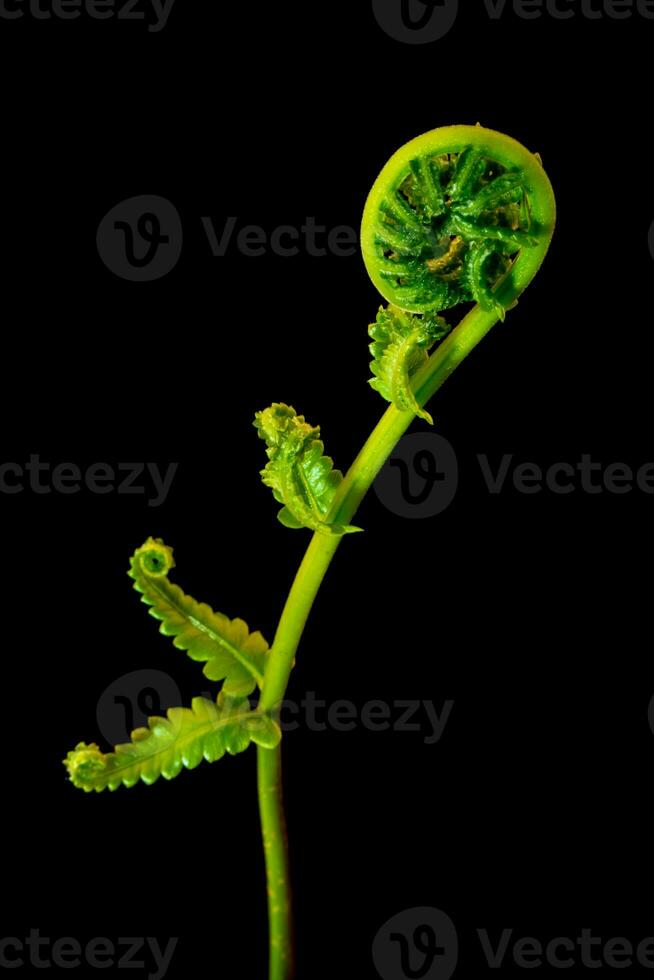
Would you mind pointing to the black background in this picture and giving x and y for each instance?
(530, 612)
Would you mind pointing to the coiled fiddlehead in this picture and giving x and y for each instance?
(181, 740)
(447, 217)
(229, 651)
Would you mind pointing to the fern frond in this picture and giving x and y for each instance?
(300, 476)
(183, 739)
(401, 342)
(226, 646)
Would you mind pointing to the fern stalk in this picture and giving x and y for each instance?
(357, 481)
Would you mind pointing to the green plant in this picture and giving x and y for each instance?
(461, 214)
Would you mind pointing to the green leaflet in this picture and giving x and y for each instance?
(401, 342)
(231, 652)
(300, 476)
(186, 736)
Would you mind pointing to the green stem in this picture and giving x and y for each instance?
(379, 446)
(304, 590)
(275, 846)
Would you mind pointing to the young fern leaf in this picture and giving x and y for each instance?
(183, 739)
(299, 475)
(401, 342)
(226, 646)
(446, 220)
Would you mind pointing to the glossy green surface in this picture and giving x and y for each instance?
(448, 215)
